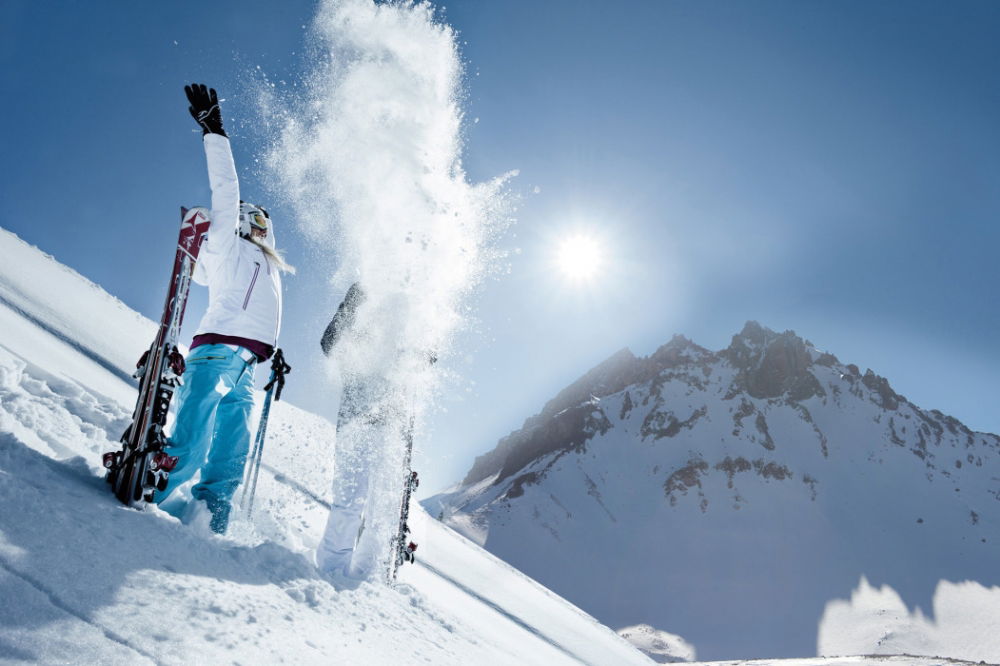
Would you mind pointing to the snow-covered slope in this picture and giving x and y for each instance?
(739, 498)
(86, 580)
(53, 313)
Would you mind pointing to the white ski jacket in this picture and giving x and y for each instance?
(244, 286)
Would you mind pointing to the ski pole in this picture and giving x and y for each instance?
(277, 382)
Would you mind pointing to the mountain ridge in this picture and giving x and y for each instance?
(770, 365)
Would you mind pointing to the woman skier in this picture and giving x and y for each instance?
(242, 270)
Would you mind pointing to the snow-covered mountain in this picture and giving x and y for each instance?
(86, 580)
(739, 497)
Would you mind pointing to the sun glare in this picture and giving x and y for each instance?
(579, 257)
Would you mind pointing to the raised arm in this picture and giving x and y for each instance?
(221, 168)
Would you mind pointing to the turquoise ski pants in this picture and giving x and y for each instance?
(212, 428)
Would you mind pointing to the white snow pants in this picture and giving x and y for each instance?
(368, 421)
(351, 485)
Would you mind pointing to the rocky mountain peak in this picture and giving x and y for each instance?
(772, 364)
(754, 334)
(879, 385)
(678, 351)
(754, 340)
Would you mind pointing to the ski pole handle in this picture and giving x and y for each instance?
(278, 371)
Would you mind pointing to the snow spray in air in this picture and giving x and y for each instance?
(370, 158)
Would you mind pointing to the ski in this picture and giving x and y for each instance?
(404, 550)
(142, 466)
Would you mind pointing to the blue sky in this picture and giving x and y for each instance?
(826, 167)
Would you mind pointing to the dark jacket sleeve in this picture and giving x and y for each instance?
(342, 319)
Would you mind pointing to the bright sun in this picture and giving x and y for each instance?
(579, 257)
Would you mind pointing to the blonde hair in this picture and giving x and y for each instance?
(277, 256)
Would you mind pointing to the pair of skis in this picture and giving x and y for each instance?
(142, 466)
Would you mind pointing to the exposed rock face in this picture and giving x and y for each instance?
(772, 365)
(887, 398)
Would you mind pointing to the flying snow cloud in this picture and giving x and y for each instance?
(370, 158)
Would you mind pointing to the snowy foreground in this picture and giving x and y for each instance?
(86, 580)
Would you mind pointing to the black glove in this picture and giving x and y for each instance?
(205, 108)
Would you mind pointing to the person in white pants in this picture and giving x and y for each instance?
(373, 419)
(358, 421)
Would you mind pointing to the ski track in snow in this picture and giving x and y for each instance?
(502, 611)
(280, 477)
(54, 599)
(67, 339)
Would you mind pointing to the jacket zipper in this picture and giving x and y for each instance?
(256, 270)
(277, 320)
(267, 263)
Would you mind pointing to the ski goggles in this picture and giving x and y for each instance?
(258, 221)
